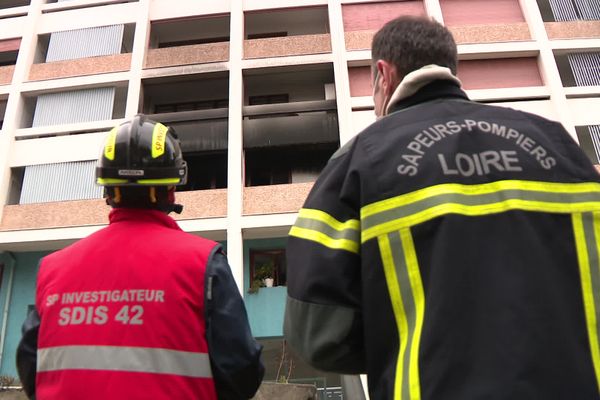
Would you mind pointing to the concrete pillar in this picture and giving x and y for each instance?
(235, 175)
(434, 10)
(138, 57)
(14, 106)
(340, 70)
(547, 64)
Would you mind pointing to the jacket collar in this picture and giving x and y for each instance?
(428, 83)
(142, 215)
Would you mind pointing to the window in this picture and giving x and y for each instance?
(269, 99)
(206, 170)
(266, 35)
(286, 164)
(191, 106)
(190, 42)
(268, 263)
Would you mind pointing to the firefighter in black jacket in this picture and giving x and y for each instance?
(450, 250)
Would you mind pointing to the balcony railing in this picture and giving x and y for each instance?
(305, 122)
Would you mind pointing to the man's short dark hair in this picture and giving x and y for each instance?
(410, 43)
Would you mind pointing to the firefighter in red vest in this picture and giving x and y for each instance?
(139, 309)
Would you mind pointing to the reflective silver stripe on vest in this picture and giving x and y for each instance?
(118, 358)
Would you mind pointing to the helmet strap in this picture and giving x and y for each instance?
(162, 198)
(152, 191)
(117, 197)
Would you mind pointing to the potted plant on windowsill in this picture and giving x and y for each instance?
(263, 277)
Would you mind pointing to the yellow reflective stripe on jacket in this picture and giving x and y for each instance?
(320, 227)
(318, 215)
(403, 278)
(472, 200)
(586, 228)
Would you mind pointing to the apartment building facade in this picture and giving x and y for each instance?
(261, 93)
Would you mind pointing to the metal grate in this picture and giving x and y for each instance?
(73, 107)
(81, 43)
(585, 68)
(60, 182)
(595, 135)
(573, 10)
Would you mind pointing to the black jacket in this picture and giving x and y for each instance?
(450, 251)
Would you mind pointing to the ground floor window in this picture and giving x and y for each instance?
(268, 264)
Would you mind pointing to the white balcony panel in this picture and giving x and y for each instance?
(121, 13)
(57, 149)
(543, 108)
(11, 27)
(585, 111)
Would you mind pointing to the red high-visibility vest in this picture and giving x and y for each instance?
(122, 314)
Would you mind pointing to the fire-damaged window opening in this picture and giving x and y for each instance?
(286, 164)
(196, 107)
(203, 137)
(290, 126)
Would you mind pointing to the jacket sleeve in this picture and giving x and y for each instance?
(323, 320)
(27, 353)
(234, 354)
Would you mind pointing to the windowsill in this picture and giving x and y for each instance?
(582, 91)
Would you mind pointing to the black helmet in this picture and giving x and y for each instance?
(141, 152)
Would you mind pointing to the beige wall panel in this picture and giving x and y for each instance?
(359, 40)
(490, 33)
(275, 199)
(186, 55)
(573, 29)
(6, 74)
(287, 46)
(197, 204)
(80, 67)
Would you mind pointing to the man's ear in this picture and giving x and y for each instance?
(388, 77)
